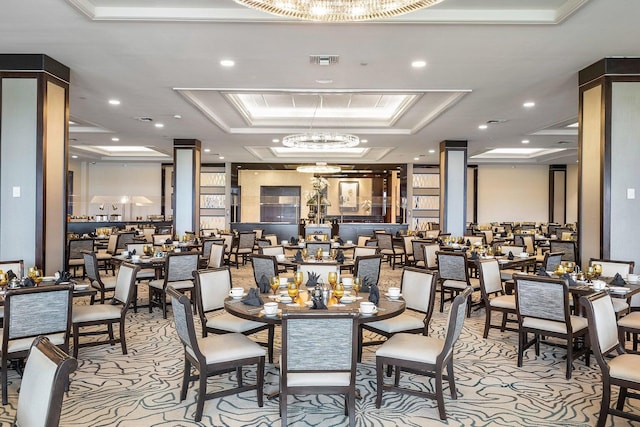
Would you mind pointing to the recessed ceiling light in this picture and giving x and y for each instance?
(74, 157)
(324, 81)
(159, 125)
(177, 116)
(72, 123)
(227, 63)
(221, 157)
(483, 127)
(525, 141)
(419, 64)
(275, 140)
(115, 139)
(364, 141)
(207, 150)
(573, 125)
(432, 151)
(416, 158)
(529, 104)
(114, 102)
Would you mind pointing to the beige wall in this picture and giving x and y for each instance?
(572, 193)
(364, 193)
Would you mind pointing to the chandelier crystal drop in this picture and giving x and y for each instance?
(319, 167)
(321, 140)
(338, 10)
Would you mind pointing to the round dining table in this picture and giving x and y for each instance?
(386, 307)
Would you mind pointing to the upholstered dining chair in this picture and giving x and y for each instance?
(29, 312)
(418, 253)
(552, 260)
(364, 250)
(102, 284)
(216, 256)
(390, 251)
(243, 247)
(567, 247)
(178, 272)
(454, 276)
(161, 239)
(104, 257)
(430, 258)
(418, 289)
(212, 288)
(362, 240)
(309, 366)
(321, 269)
(408, 250)
(527, 241)
(620, 370)
(45, 377)
(542, 305)
(367, 267)
(612, 267)
(264, 268)
(507, 273)
(213, 355)
(493, 295)
(207, 243)
(74, 258)
(106, 314)
(272, 238)
(423, 354)
(124, 238)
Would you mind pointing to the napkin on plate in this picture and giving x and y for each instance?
(253, 298)
(569, 279)
(28, 282)
(293, 241)
(63, 276)
(168, 241)
(313, 279)
(474, 255)
(133, 252)
(510, 256)
(340, 257)
(374, 294)
(317, 238)
(264, 285)
(340, 241)
(468, 242)
(618, 280)
(298, 256)
(542, 272)
(318, 304)
(10, 275)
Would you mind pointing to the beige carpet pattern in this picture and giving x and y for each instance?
(142, 388)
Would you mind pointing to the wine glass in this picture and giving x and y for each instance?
(31, 272)
(292, 290)
(319, 254)
(333, 253)
(37, 276)
(305, 253)
(597, 269)
(3, 279)
(357, 285)
(338, 291)
(333, 278)
(275, 284)
(298, 278)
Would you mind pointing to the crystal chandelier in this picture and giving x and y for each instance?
(319, 167)
(338, 10)
(318, 140)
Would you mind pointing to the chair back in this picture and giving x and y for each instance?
(408, 246)
(16, 266)
(263, 242)
(452, 266)
(418, 289)
(212, 288)
(362, 240)
(304, 343)
(542, 298)
(514, 249)
(148, 234)
(46, 375)
(180, 266)
(264, 266)
(364, 250)
(246, 240)
(228, 242)
(368, 269)
(125, 284)
(430, 257)
(160, 239)
(525, 240)
(322, 269)
(417, 250)
(138, 247)
(473, 239)
(183, 319)
(552, 260)
(207, 243)
(258, 233)
(567, 247)
(208, 232)
(216, 256)
(124, 239)
(272, 250)
(272, 238)
(603, 327)
(611, 267)
(75, 248)
(490, 281)
(312, 247)
(91, 268)
(488, 236)
(112, 244)
(431, 234)
(455, 322)
(385, 241)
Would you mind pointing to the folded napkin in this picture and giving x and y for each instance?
(196, 241)
(468, 242)
(298, 256)
(366, 285)
(168, 241)
(318, 304)
(313, 279)
(339, 240)
(420, 235)
(510, 256)
(542, 272)
(11, 275)
(340, 257)
(63, 276)
(317, 238)
(618, 280)
(474, 255)
(264, 285)
(133, 252)
(374, 294)
(398, 234)
(293, 241)
(569, 279)
(28, 282)
(253, 298)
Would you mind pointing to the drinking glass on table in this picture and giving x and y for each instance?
(357, 285)
(37, 276)
(298, 277)
(275, 284)
(333, 278)
(292, 290)
(338, 291)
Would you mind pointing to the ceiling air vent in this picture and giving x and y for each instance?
(564, 142)
(324, 59)
(144, 119)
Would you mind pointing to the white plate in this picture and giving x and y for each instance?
(619, 289)
(368, 314)
(390, 297)
(348, 300)
(284, 300)
(49, 279)
(80, 287)
(277, 313)
(240, 297)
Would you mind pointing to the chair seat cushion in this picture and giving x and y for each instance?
(630, 321)
(227, 347)
(404, 322)
(412, 347)
(228, 322)
(146, 274)
(90, 313)
(76, 261)
(504, 301)
(181, 284)
(419, 263)
(625, 367)
(459, 284)
(109, 282)
(326, 379)
(101, 256)
(23, 344)
(387, 252)
(619, 305)
(577, 324)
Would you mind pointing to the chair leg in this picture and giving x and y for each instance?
(439, 393)
(202, 391)
(283, 408)
(452, 381)
(604, 405)
(260, 381)
(123, 341)
(185, 379)
(522, 338)
(351, 408)
(569, 357)
(239, 376)
(487, 322)
(112, 340)
(270, 339)
(4, 380)
(379, 380)
(163, 296)
(76, 339)
(622, 396)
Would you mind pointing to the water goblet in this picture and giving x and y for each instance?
(357, 285)
(31, 272)
(338, 291)
(333, 278)
(305, 253)
(597, 269)
(333, 253)
(292, 290)
(298, 278)
(319, 254)
(275, 284)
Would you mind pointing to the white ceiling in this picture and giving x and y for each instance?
(161, 58)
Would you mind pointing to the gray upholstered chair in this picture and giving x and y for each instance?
(552, 260)
(620, 370)
(29, 312)
(567, 247)
(542, 304)
(206, 249)
(216, 256)
(312, 247)
(418, 253)
(213, 355)
(526, 241)
(454, 276)
(387, 248)
(102, 284)
(321, 269)
(309, 366)
(264, 268)
(212, 288)
(243, 247)
(106, 314)
(229, 240)
(74, 258)
(418, 289)
(367, 267)
(45, 377)
(424, 354)
(104, 258)
(124, 238)
(507, 273)
(178, 271)
(493, 295)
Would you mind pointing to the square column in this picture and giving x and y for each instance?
(453, 187)
(186, 185)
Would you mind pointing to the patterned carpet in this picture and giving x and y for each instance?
(142, 388)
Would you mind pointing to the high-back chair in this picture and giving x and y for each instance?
(321, 269)
(542, 304)
(568, 247)
(178, 271)
(74, 258)
(212, 288)
(418, 253)
(525, 240)
(408, 249)
(367, 267)
(424, 354)
(418, 288)
(148, 233)
(244, 246)
(104, 256)
(264, 268)
(272, 250)
(430, 257)
(493, 295)
(362, 240)
(364, 250)
(619, 370)
(138, 247)
(212, 355)
(454, 277)
(310, 366)
(272, 238)
(108, 314)
(612, 267)
(17, 266)
(161, 239)
(207, 242)
(216, 256)
(102, 284)
(45, 377)
(474, 238)
(388, 249)
(124, 238)
(29, 312)
(552, 260)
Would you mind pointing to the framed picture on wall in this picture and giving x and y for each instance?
(348, 196)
